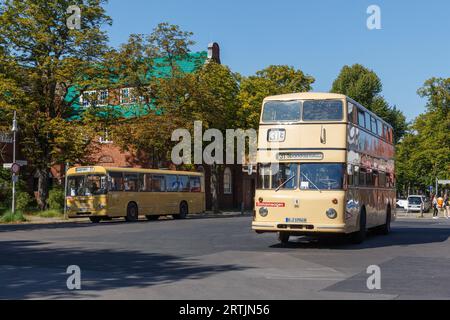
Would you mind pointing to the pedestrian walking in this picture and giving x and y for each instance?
(435, 207)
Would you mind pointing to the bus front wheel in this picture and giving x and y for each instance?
(359, 236)
(132, 212)
(283, 237)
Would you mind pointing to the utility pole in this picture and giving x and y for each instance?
(14, 177)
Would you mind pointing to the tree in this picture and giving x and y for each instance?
(272, 80)
(364, 86)
(424, 153)
(50, 59)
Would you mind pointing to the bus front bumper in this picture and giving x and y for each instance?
(307, 228)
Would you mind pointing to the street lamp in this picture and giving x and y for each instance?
(14, 130)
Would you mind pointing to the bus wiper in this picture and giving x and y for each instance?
(284, 183)
(310, 181)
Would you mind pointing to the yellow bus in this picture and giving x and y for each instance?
(102, 193)
(325, 166)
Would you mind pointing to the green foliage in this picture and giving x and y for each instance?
(41, 59)
(9, 217)
(51, 214)
(424, 153)
(270, 81)
(56, 199)
(364, 86)
(23, 201)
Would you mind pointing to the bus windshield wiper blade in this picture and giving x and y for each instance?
(284, 183)
(311, 182)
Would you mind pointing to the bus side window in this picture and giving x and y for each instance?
(158, 184)
(368, 125)
(147, 183)
(183, 183)
(375, 176)
(116, 183)
(141, 182)
(373, 125)
(361, 118)
(194, 184)
(362, 177)
(351, 113)
(382, 179)
(131, 182)
(172, 183)
(355, 175)
(369, 178)
(349, 175)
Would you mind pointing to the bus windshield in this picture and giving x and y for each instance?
(322, 176)
(86, 185)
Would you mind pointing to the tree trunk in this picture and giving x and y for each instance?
(42, 188)
(214, 189)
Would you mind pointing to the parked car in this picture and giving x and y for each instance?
(402, 203)
(418, 203)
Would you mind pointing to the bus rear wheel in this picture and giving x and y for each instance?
(184, 211)
(359, 236)
(152, 217)
(385, 229)
(95, 219)
(132, 213)
(283, 237)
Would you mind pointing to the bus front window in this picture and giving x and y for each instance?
(322, 176)
(90, 185)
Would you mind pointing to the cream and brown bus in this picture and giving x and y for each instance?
(101, 193)
(325, 166)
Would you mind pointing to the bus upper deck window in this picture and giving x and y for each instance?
(361, 118)
(319, 110)
(351, 112)
(275, 111)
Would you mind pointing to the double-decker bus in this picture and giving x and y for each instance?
(325, 165)
(101, 193)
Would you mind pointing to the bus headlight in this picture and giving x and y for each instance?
(331, 213)
(263, 212)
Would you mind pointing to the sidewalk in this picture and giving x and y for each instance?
(417, 215)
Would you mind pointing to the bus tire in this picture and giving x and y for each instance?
(184, 211)
(152, 217)
(385, 229)
(132, 212)
(359, 236)
(95, 219)
(283, 237)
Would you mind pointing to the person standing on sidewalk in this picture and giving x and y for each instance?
(446, 206)
(435, 207)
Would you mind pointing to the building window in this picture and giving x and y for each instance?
(227, 187)
(87, 98)
(103, 98)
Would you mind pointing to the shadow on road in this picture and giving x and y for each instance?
(400, 236)
(30, 268)
(87, 223)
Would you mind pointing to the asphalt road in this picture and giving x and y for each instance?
(219, 258)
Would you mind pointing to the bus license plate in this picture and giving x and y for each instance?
(296, 220)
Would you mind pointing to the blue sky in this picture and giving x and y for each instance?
(319, 37)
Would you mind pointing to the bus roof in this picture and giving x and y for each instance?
(321, 95)
(101, 169)
(306, 95)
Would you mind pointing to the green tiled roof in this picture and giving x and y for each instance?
(161, 69)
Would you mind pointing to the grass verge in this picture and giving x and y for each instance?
(9, 217)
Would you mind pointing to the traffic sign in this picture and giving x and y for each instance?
(15, 168)
(444, 181)
(22, 162)
(7, 165)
